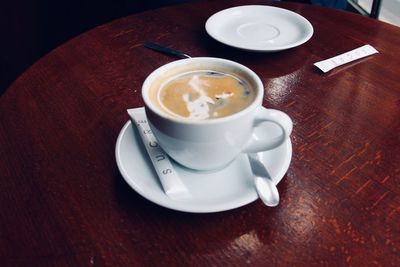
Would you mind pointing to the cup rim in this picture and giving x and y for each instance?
(154, 74)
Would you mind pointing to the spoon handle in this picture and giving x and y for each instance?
(166, 50)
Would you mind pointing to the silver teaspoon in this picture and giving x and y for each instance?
(166, 50)
(265, 187)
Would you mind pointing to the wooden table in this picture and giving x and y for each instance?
(64, 203)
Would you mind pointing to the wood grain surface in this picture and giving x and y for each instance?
(64, 203)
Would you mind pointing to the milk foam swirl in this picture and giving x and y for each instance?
(204, 95)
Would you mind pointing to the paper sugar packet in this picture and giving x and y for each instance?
(169, 178)
(331, 63)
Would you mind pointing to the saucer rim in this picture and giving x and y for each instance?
(210, 29)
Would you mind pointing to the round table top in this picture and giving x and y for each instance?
(64, 202)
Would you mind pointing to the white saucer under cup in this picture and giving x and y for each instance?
(222, 190)
(259, 28)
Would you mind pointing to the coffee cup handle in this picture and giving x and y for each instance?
(262, 140)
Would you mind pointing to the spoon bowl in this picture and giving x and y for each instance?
(266, 188)
(267, 191)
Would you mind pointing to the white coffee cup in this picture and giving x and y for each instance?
(213, 143)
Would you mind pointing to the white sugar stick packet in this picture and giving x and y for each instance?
(169, 178)
(331, 63)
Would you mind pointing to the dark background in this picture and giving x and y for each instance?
(29, 29)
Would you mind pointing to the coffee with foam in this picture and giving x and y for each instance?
(204, 112)
(203, 94)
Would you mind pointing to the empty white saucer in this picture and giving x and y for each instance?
(259, 28)
(221, 190)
